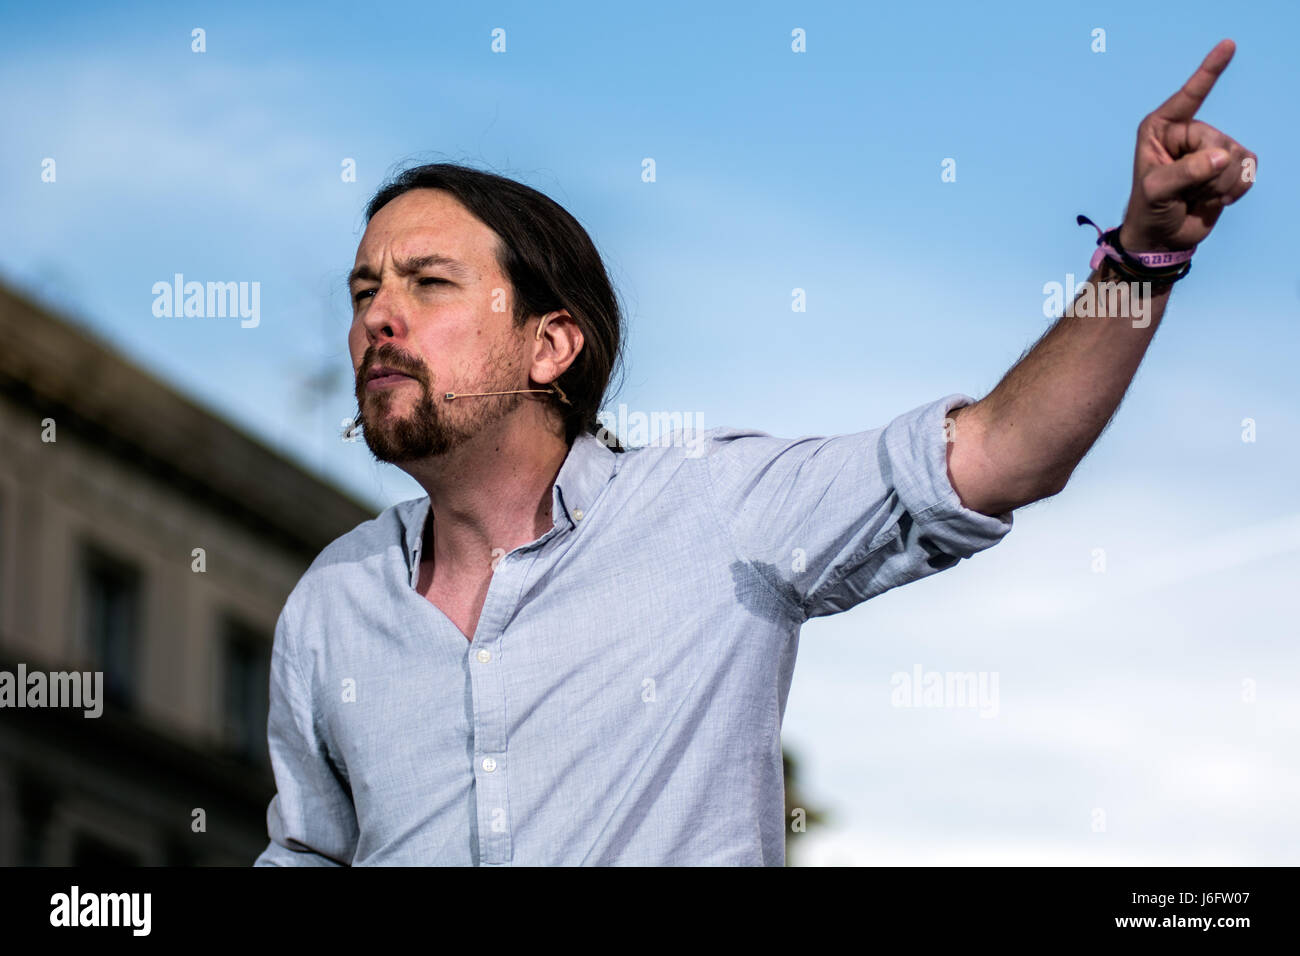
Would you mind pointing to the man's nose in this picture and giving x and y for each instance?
(385, 316)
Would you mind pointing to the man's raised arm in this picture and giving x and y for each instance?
(1023, 440)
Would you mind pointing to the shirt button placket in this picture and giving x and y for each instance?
(487, 685)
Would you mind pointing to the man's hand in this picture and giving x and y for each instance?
(1184, 171)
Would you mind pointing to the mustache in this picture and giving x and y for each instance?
(390, 356)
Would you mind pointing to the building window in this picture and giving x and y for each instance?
(90, 851)
(111, 594)
(3, 592)
(246, 690)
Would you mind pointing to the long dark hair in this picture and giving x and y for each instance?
(552, 264)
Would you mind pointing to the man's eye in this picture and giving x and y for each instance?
(426, 280)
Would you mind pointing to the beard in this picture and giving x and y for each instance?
(427, 429)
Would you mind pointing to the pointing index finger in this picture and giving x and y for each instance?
(1182, 106)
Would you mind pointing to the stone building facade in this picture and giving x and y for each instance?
(144, 538)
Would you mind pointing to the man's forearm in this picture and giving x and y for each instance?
(1022, 441)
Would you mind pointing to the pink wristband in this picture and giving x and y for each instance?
(1150, 260)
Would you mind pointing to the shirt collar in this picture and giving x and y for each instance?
(587, 468)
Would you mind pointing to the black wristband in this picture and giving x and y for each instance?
(1129, 266)
(1134, 267)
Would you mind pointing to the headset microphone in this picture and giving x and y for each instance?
(553, 390)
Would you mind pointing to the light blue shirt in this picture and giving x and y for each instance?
(622, 699)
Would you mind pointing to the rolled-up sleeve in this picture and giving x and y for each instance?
(830, 522)
(311, 820)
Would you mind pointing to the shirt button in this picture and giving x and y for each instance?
(489, 764)
(577, 515)
(484, 656)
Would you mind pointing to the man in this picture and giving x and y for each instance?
(568, 653)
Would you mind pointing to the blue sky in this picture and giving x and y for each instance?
(1121, 690)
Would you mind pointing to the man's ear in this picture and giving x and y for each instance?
(556, 346)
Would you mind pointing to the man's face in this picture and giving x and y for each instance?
(423, 327)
